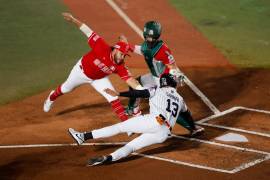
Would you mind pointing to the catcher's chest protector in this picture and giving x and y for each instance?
(156, 67)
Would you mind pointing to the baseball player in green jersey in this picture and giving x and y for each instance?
(159, 60)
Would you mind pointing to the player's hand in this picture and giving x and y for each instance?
(181, 80)
(67, 16)
(123, 38)
(111, 92)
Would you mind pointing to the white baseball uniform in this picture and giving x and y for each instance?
(163, 101)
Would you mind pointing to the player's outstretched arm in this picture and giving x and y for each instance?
(111, 92)
(132, 93)
(134, 84)
(83, 27)
(68, 17)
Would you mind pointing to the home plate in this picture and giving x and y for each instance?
(232, 137)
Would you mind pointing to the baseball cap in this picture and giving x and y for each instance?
(123, 47)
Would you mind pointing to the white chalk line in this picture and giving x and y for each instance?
(116, 143)
(125, 17)
(184, 163)
(250, 164)
(237, 169)
(222, 145)
(58, 145)
(217, 115)
(242, 166)
(203, 121)
(236, 129)
(140, 33)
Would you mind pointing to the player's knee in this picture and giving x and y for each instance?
(66, 89)
(117, 128)
(111, 98)
(131, 148)
(162, 138)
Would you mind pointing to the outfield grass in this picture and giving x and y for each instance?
(239, 28)
(37, 47)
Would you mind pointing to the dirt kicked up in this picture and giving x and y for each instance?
(25, 123)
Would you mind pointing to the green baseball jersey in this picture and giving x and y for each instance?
(156, 67)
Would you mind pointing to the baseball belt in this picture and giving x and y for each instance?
(162, 120)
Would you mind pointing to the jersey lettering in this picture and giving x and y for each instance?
(102, 67)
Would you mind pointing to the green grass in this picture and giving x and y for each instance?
(240, 29)
(37, 47)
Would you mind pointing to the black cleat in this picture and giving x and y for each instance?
(97, 160)
(198, 131)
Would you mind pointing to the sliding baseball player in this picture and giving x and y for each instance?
(166, 108)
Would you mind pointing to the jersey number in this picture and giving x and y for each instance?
(174, 107)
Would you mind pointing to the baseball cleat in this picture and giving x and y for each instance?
(77, 136)
(130, 134)
(97, 160)
(197, 131)
(48, 103)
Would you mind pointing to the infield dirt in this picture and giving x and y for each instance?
(24, 122)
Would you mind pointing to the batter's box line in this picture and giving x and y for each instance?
(236, 169)
(203, 121)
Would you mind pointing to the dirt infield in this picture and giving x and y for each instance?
(25, 123)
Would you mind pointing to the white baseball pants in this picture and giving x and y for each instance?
(77, 78)
(151, 133)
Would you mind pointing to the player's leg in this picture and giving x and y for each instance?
(75, 78)
(140, 142)
(116, 105)
(186, 120)
(139, 124)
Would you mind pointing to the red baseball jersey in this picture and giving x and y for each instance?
(156, 58)
(98, 62)
(164, 55)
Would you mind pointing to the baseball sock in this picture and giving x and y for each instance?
(57, 92)
(109, 158)
(88, 135)
(119, 110)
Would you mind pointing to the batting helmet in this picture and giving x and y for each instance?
(152, 29)
(167, 80)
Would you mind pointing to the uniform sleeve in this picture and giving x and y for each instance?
(95, 40)
(165, 55)
(136, 93)
(123, 72)
(136, 49)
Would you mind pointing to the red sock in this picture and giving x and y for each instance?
(57, 92)
(119, 110)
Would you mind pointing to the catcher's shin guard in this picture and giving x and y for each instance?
(185, 119)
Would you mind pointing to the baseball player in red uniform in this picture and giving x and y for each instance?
(94, 67)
